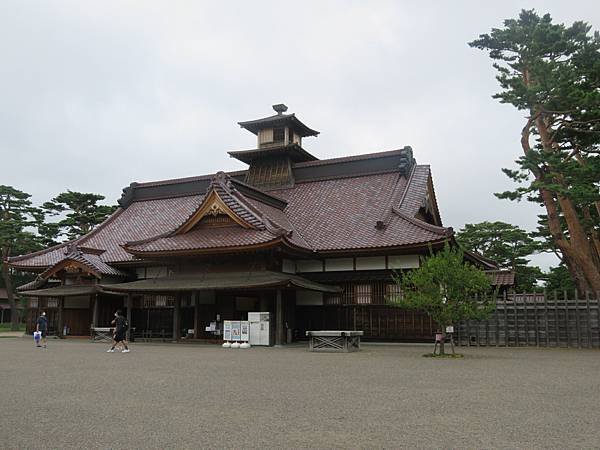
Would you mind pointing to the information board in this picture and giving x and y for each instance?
(236, 329)
(227, 330)
(245, 330)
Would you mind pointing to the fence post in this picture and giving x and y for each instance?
(546, 316)
(526, 320)
(516, 314)
(505, 321)
(589, 319)
(578, 328)
(567, 318)
(535, 315)
(556, 328)
(497, 321)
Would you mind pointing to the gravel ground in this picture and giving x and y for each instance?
(74, 395)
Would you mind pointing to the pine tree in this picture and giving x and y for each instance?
(552, 72)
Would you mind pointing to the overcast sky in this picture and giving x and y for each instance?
(95, 95)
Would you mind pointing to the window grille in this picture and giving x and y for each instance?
(158, 301)
(363, 294)
(393, 292)
(52, 302)
(278, 135)
(33, 302)
(333, 300)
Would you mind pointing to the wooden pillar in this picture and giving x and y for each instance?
(61, 303)
(196, 314)
(95, 311)
(129, 307)
(264, 304)
(279, 319)
(176, 318)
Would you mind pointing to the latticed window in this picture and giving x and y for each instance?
(186, 300)
(158, 301)
(333, 300)
(33, 302)
(363, 294)
(278, 134)
(393, 292)
(52, 302)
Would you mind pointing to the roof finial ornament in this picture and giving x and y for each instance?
(280, 108)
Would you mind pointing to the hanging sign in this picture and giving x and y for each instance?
(450, 329)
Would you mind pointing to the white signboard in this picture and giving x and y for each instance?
(236, 330)
(227, 330)
(245, 330)
(450, 329)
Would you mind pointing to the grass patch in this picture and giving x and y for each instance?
(6, 327)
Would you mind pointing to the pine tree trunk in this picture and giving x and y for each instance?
(14, 313)
(577, 248)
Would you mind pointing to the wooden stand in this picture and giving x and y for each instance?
(334, 341)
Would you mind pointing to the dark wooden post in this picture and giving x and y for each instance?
(264, 304)
(196, 314)
(61, 303)
(129, 307)
(176, 313)
(279, 319)
(95, 311)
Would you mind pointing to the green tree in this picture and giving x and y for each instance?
(559, 279)
(552, 72)
(506, 244)
(17, 215)
(82, 214)
(446, 288)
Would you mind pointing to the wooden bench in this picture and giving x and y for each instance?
(334, 341)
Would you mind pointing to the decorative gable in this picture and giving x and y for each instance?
(70, 266)
(212, 212)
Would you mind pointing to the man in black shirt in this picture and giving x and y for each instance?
(121, 326)
(42, 327)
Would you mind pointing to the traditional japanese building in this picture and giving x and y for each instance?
(314, 242)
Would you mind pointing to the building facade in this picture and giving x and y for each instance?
(313, 242)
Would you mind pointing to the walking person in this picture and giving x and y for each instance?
(42, 327)
(121, 326)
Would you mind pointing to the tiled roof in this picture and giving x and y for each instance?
(204, 238)
(323, 215)
(220, 281)
(90, 260)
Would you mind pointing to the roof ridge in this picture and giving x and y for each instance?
(359, 157)
(185, 179)
(445, 231)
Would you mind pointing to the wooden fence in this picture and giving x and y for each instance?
(536, 320)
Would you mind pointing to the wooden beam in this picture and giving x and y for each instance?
(279, 319)
(129, 308)
(176, 318)
(61, 303)
(196, 314)
(95, 311)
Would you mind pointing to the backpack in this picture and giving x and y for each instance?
(122, 325)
